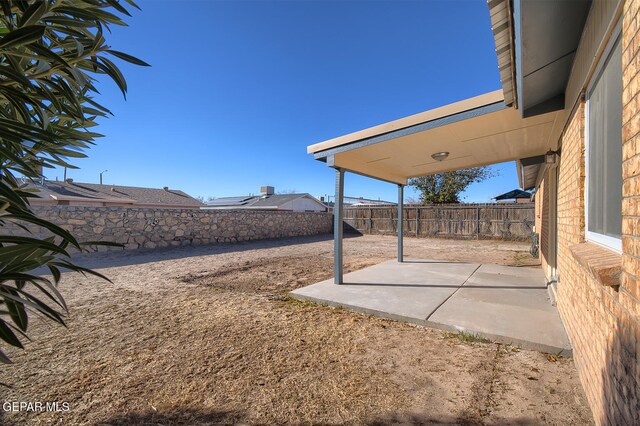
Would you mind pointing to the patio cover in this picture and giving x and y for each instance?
(477, 131)
(474, 132)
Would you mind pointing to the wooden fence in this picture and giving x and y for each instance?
(480, 221)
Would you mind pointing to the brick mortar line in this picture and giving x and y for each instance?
(634, 299)
(634, 155)
(631, 136)
(627, 86)
(634, 277)
(634, 258)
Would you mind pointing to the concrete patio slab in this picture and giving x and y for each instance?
(408, 291)
(508, 305)
(504, 304)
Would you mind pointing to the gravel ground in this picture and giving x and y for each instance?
(206, 335)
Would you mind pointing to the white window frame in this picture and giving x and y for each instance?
(606, 241)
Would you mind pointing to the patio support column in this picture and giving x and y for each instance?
(338, 217)
(400, 225)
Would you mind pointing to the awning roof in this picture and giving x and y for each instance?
(476, 131)
(513, 195)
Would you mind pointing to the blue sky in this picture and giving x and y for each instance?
(238, 89)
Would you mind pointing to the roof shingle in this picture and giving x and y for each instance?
(97, 192)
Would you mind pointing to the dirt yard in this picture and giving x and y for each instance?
(206, 335)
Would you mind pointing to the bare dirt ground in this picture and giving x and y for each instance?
(206, 335)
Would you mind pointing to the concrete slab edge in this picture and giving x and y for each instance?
(359, 309)
(495, 338)
(506, 340)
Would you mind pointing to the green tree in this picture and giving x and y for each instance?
(441, 188)
(51, 53)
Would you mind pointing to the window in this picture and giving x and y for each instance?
(604, 153)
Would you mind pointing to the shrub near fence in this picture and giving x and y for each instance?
(481, 221)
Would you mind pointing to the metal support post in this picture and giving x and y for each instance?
(400, 221)
(338, 217)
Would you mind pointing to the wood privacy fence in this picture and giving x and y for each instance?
(480, 221)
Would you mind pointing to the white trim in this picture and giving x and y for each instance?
(552, 238)
(606, 241)
(615, 35)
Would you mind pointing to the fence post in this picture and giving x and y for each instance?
(478, 223)
(417, 222)
(369, 225)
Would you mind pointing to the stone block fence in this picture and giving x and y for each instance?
(156, 228)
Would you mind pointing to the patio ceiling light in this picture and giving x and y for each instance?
(440, 156)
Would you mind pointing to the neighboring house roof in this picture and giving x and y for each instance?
(362, 202)
(516, 193)
(366, 201)
(229, 201)
(273, 201)
(113, 194)
(276, 200)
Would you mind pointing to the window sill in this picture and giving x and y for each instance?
(604, 265)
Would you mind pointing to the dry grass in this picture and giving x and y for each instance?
(205, 336)
(273, 275)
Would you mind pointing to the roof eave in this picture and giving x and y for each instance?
(520, 174)
(545, 39)
(323, 149)
(503, 35)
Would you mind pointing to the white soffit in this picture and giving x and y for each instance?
(472, 137)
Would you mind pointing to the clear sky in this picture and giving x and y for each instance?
(238, 89)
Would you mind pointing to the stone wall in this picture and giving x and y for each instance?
(152, 228)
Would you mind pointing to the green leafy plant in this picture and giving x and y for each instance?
(51, 53)
(441, 188)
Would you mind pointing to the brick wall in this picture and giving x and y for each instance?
(603, 321)
(628, 320)
(580, 297)
(157, 228)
